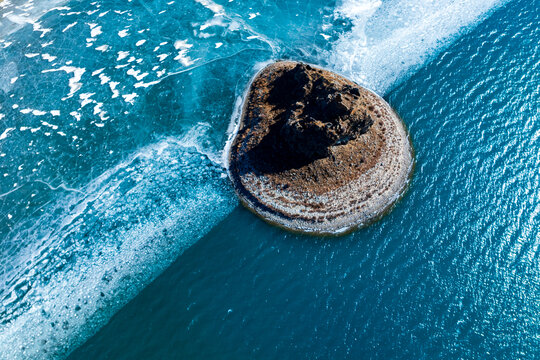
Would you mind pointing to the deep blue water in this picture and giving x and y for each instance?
(105, 190)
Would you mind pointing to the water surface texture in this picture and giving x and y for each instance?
(113, 117)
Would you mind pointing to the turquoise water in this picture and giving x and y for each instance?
(113, 118)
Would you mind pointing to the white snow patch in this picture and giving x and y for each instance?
(86, 99)
(69, 26)
(104, 79)
(113, 85)
(145, 85)
(182, 46)
(137, 74)
(122, 55)
(37, 27)
(212, 6)
(162, 57)
(97, 72)
(48, 57)
(95, 30)
(6, 133)
(76, 115)
(74, 83)
(130, 98)
(54, 127)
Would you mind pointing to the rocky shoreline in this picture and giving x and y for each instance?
(315, 152)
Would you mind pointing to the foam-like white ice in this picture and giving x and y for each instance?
(94, 250)
(391, 40)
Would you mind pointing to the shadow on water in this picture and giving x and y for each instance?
(214, 289)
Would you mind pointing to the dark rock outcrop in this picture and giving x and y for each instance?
(316, 115)
(317, 153)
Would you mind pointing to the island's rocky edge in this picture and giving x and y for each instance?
(317, 153)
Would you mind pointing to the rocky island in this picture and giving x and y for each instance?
(317, 153)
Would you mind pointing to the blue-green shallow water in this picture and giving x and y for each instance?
(453, 272)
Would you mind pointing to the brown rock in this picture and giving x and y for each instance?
(317, 153)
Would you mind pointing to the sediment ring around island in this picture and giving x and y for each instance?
(316, 153)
